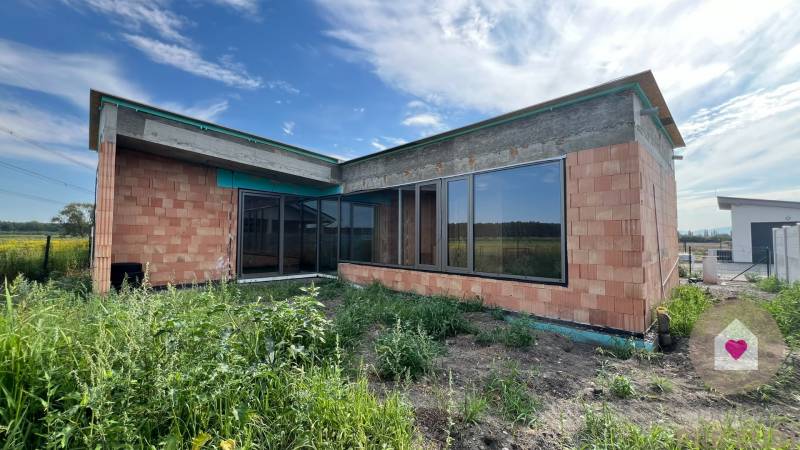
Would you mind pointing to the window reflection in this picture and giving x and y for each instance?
(457, 210)
(517, 229)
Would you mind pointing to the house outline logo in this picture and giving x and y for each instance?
(736, 348)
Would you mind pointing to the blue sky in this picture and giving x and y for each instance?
(349, 77)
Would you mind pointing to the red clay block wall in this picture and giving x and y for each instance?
(172, 215)
(612, 268)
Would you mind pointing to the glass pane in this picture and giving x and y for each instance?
(308, 237)
(345, 243)
(260, 234)
(427, 224)
(375, 227)
(457, 223)
(517, 229)
(329, 223)
(363, 231)
(292, 236)
(409, 230)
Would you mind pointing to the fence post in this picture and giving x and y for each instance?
(46, 254)
(769, 259)
(690, 261)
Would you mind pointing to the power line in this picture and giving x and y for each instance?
(37, 145)
(42, 176)
(31, 196)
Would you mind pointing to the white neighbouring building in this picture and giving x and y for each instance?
(752, 221)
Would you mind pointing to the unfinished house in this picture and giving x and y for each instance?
(565, 209)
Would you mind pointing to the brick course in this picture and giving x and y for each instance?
(612, 253)
(171, 215)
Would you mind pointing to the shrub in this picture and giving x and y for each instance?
(752, 277)
(622, 387)
(439, 317)
(473, 305)
(497, 314)
(140, 369)
(683, 272)
(518, 334)
(661, 384)
(405, 352)
(474, 407)
(685, 306)
(510, 393)
(770, 284)
(487, 337)
(785, 308)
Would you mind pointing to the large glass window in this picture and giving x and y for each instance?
(517, 221)
(457, 217)
(260, 234)
(329, 233)
(372, 229)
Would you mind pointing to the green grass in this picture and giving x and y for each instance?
(661, 385)
(770, 284)
(621, 387)
(685, 306)
(439, 317)
(785, 308)
(474, 407)
(605, 430)
(509, 392)
(404, 352)
(517, 335)
(144, 369)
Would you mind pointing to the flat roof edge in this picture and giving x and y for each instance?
(643, 84)
(725, 203)
(97, 99)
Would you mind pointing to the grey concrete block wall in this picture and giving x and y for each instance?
(605, 120)
(219, 149)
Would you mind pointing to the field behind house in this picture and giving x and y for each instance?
(24, 254)
(276, 366)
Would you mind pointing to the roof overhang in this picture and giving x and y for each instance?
(726, 203)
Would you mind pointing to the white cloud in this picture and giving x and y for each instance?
(188, 60)
(745, 147)
(137, 14)
(249, 7)
(208, 111)
(288, 128)
(41, 135)
(283, 86)
(66, 75)
(377, 145)
(426, 120)
(498, 55)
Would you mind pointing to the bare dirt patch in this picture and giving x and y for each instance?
(567, 378)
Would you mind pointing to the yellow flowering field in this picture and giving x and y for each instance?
(25, 255)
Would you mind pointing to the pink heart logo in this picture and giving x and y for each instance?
(736, 348)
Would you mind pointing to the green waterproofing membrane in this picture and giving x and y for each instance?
(216, 128)
(232, 179)
(588, 336)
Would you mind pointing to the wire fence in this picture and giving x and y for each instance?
(39, 257)
(762, 265)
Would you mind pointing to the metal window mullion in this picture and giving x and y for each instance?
(562, 173)
(416, 226)
(281, 217)
(470, 225)
(399, 227)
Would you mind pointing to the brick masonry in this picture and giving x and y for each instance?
(171, 215)
(614, 278)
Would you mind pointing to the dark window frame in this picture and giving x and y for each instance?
(441, 266)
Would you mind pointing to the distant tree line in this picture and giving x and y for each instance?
(517, 229)
(687, 237)
(75, 219)
(30, 227)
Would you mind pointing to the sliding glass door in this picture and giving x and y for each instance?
(259, 249)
